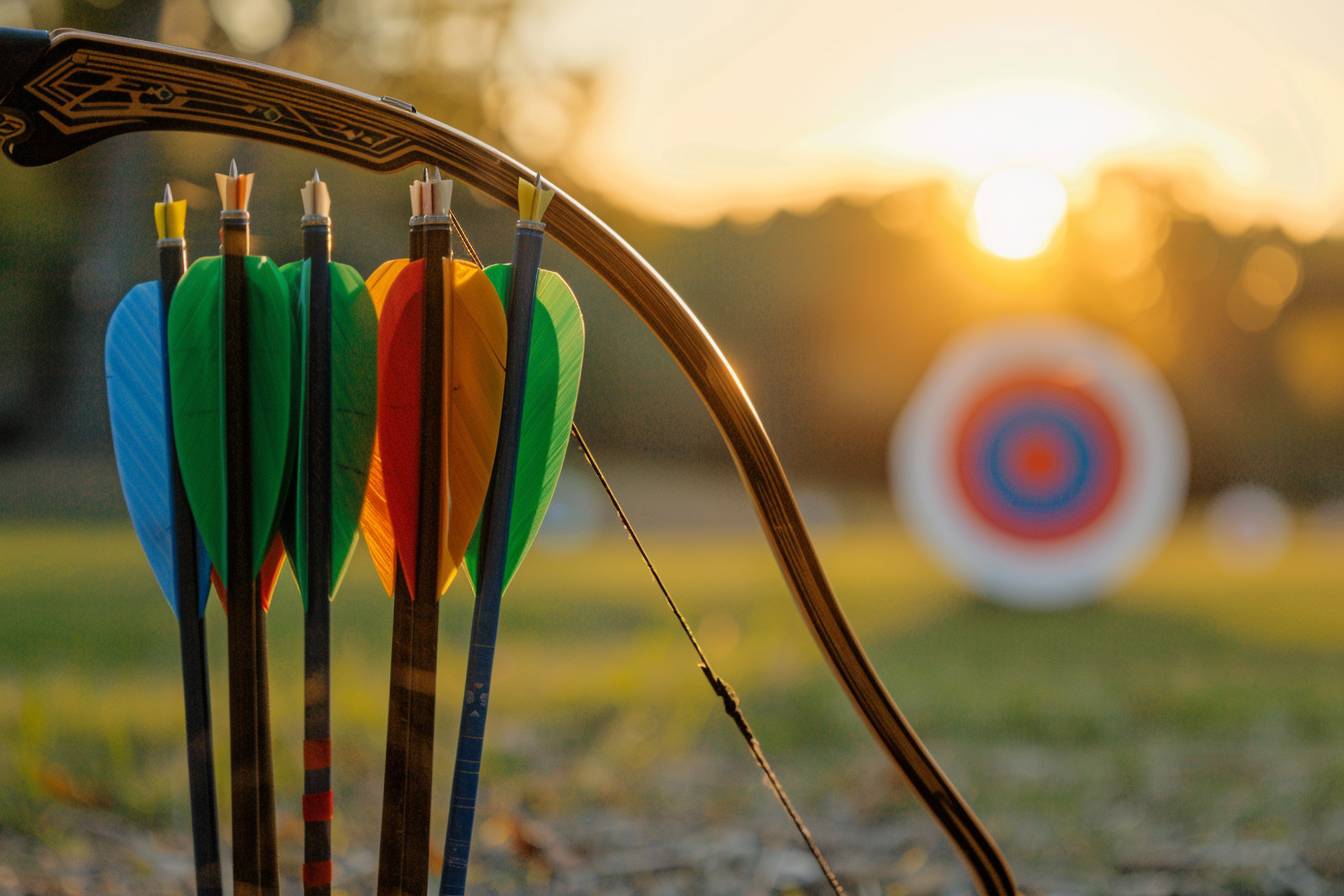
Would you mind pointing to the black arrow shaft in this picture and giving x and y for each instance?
(318, 802)
(191, 631)
(254, 861)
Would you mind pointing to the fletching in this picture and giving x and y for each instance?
(475, 335)
(374, 521)
(269, 578)
(554, 365)
(137, 402)
(354, 352)
(285, 514)
(196, 368)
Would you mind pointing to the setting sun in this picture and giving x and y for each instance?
(1017, 210)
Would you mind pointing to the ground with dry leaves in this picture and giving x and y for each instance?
(1184, 738)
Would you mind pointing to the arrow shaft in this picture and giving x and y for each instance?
(254, 865)
(437, 247)
(392, 837)
(494, 560)
(317, 801)
(392, 840)
(409, 772)
(191, 634)
(428, 533)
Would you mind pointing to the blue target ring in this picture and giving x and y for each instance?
(1038, 459)
(1074, 456)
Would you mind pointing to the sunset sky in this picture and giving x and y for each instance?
(731, 106)
(714, 107)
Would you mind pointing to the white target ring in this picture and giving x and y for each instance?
(1041, 460)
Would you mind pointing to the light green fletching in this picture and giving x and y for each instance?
(554, 364)
(354, 385)
(197, 376)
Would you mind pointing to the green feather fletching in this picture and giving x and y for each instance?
(197, 377)
(285, 514)
(354, 385)
(555, 361)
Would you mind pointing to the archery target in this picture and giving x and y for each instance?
(1042, 461)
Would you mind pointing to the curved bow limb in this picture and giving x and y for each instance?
(86, 87)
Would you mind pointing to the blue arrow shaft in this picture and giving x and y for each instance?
(494, 556)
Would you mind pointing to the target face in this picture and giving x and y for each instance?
(1042, 461)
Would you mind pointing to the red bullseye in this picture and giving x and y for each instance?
(1038, 461)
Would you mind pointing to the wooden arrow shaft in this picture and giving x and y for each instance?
(191, 638)
(408, 779)
(437, 248)
(392, 840)
(423, 671)
(254, 864)
(425, 608)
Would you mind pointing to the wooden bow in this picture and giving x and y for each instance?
(69, 89)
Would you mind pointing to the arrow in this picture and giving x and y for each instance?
(441, 345)
(230, 345)
(140, 410)
(541, 387)
(336, 404)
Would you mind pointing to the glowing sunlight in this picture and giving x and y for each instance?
(1017, 210)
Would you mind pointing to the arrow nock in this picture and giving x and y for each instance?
(533, 198)
(316, 198)
(431, 197)
(170, 217)
(235, 190)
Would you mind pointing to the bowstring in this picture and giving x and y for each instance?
(732, 704)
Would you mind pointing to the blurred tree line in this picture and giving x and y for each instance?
(833, 316)
(830, 316)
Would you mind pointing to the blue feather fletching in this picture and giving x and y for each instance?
(137, 402)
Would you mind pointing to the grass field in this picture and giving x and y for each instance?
(1198, 711)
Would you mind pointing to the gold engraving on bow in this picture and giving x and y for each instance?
(12, 125)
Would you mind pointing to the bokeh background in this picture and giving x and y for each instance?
(836, 191)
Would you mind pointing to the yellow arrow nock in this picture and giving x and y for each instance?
(170, 217)
(533, 199)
